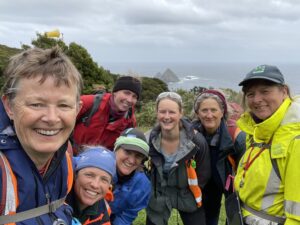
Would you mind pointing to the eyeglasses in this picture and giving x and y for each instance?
(169, 94)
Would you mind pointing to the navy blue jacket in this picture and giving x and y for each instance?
(220, 145)
(34, 190)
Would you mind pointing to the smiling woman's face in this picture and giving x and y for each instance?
(43, 114)
(263, 100)
(128, 161)
(210, 115)
(168, 114)
(91, 185)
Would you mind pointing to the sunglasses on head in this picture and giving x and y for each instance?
(169, 94)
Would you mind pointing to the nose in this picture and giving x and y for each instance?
(132, 159)
(130, 98)
(95, 182)
(167, 114)
(257, 97)
(209, 113)
(51, 114)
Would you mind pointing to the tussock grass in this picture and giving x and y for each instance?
(141, 219)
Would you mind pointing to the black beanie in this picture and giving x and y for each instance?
(128, 83)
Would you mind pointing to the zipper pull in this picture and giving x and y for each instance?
(242, 182)
(48, 198)
(193, 163)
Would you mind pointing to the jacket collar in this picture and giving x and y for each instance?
(8, 138)
(186, 143)
(262, 132)
(221, 139)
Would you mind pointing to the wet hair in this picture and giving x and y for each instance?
(45, 63)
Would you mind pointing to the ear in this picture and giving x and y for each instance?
(79, 107)
(285, 91)
(181, 113)
(8, 107)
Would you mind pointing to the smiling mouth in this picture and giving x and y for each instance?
(126, 104)
(128, 165)
(92, 193)
(47, 132)
(260, 108)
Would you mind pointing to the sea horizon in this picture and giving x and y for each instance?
(216, 75)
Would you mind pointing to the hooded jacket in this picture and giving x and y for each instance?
(32, 189)
(221, 146)
(260, 187)
(224, 145)
(130, 197)
(173, 191)
(100, 131)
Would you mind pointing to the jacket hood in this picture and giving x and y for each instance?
(8, 138)
(287, 113)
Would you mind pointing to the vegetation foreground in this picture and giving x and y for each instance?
(175, 218)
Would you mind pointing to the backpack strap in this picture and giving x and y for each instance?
(70, 168)
(275, 166)
(232, 162)
(86, 118)
(3, 188)
(31, 213)
(264, 215)
(9, 195)
(7, 209)
(234, 131)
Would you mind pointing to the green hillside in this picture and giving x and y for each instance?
(92, 73)
(5, 53)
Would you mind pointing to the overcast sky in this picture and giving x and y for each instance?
(162, 30)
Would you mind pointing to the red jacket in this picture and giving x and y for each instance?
(100, 131)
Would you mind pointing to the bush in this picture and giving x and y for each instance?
(146, 116)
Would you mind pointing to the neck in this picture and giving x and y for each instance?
(211, 131)
(170, 135)
(81, 207)
(170, 141)
(41, 160)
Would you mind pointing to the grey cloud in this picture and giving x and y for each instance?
(160, 29)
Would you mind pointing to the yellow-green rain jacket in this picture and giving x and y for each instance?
(263, 190)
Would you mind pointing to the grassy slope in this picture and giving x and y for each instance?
(6, 52)
(141, 219)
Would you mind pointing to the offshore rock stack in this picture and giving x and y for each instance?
(168, 76)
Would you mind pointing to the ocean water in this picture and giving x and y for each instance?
(216, 75)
